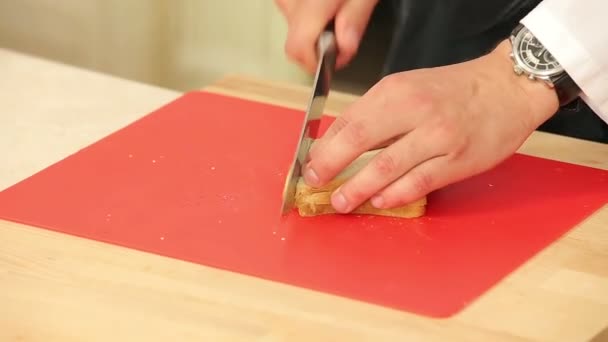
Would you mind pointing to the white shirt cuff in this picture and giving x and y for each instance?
(563, 44)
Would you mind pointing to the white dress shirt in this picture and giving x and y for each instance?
(576, 34)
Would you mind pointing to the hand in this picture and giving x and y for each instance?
(450, 122)
(306, 19)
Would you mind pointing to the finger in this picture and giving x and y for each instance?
(343, 120)
(351, 22)
(429, 176)
(336, 126)
(285, 7)
(370, 102)
(335, 129)
(308, 20)
(384, 168)
(360, 132)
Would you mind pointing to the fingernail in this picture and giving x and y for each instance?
(378, 202)
(310, 176)
(339, 202)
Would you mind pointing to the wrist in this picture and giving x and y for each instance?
(541, 99)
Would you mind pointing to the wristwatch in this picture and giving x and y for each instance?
(532, 59)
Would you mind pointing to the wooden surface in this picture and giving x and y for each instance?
(55, 287)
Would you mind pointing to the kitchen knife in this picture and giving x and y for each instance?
(327, 52)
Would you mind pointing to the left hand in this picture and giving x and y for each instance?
(450, 122)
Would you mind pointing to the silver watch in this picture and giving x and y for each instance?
(532, 59)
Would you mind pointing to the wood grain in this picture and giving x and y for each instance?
(55, 287)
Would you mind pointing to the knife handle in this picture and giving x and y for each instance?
(327, 45)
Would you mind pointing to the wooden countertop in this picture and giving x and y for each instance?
(56, 287)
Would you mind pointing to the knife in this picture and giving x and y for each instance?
(327, 51)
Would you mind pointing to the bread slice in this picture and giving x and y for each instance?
(317, 201)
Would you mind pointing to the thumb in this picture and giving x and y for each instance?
(350, 25)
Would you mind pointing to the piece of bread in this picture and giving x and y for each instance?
(317, 201)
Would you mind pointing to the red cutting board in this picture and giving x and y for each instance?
(201, 179)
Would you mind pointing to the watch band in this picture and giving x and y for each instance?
(567, 90)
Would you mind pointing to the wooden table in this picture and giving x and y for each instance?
(56, 287)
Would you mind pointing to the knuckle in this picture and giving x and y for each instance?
(340, 122)
(445, 128)
(353, 193)
(296, 42)
(385, 164)
(318, 152)
(460, 146)
(357, 133)
(422, 183)
(401, 80)
(292, 50)
(449, 137)
(423, 102)
(390, 81)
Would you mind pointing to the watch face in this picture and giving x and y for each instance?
(533, 57)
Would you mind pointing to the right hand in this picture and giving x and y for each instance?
(306, 19)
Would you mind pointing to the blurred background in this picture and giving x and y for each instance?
(180, 44)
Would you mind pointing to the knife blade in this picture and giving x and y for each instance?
(327, 51)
